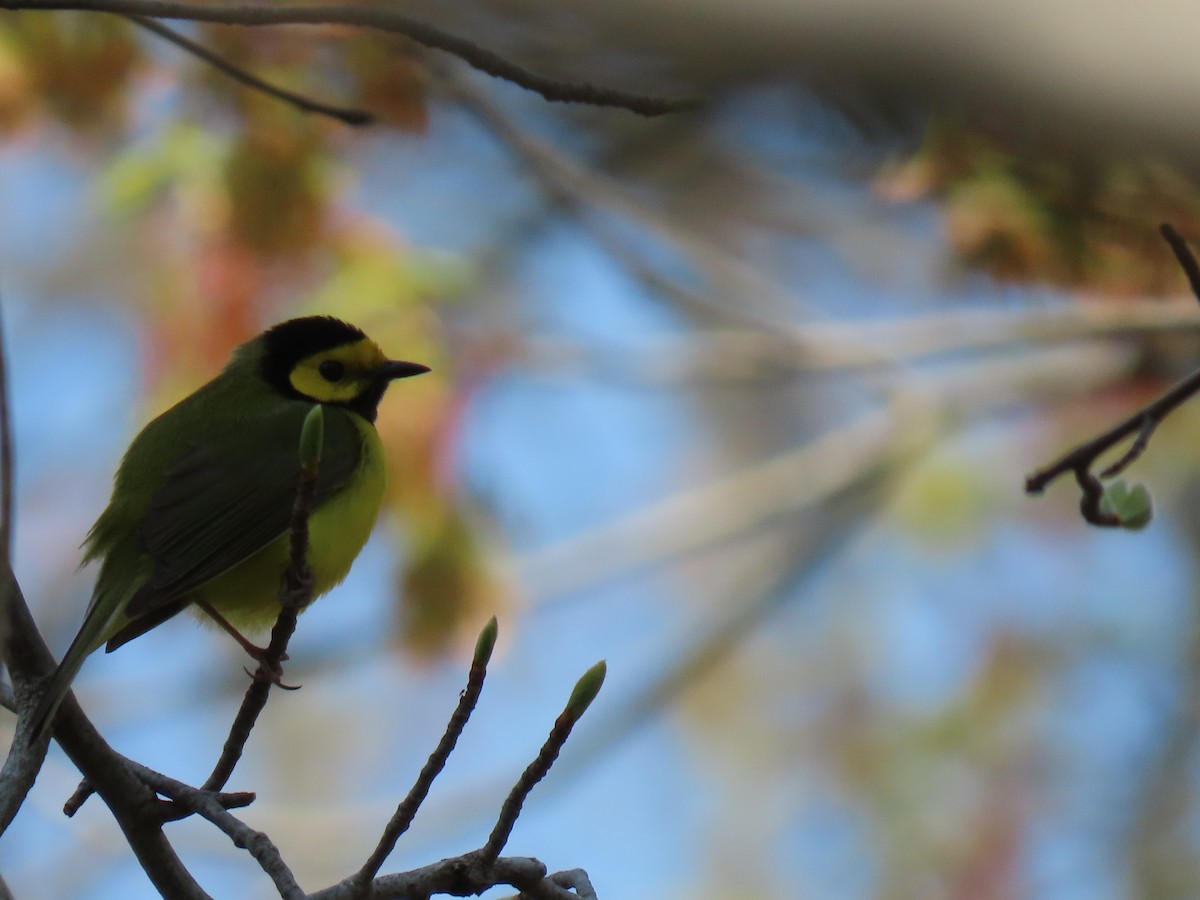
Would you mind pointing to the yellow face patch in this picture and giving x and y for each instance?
(338, 375)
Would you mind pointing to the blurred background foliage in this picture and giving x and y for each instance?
(740, 398)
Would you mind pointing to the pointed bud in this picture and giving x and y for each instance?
(586, 689)
(486, 643)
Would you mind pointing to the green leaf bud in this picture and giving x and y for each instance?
(586, 689)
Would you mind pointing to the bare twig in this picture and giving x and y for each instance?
(585, 692)
(78, 797)
(1142, 423)
(381, 19)
(354, 117)
(1183, 255)
(407, 809)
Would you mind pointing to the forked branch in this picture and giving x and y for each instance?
(1081, 460)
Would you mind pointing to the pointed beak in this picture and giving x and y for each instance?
(393, 369)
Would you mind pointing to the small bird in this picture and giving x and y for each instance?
(202, 501)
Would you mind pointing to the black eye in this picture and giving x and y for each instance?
(332, 370)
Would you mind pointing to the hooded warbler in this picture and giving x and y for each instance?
(202, 500)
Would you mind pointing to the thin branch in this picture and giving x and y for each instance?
(407, 809)
(475, 872)
(581, 697)
(1082, 458)
(380, 19)
(353, 117)
(1183, 255)
(1141, 423)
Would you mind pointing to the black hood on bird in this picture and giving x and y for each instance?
(288, 343)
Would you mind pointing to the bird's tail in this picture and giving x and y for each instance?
(90, 636)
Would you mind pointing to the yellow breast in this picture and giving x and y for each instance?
(248, 594)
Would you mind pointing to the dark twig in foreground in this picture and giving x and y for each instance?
(381, 19)
(1183, 255)
(1143, 423)
(354, 117)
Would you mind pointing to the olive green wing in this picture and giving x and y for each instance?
(230, 496)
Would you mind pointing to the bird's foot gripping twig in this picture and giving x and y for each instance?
(295, 592)
(272, 673)
(270, 663)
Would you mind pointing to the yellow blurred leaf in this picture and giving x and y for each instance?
(449, 584)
